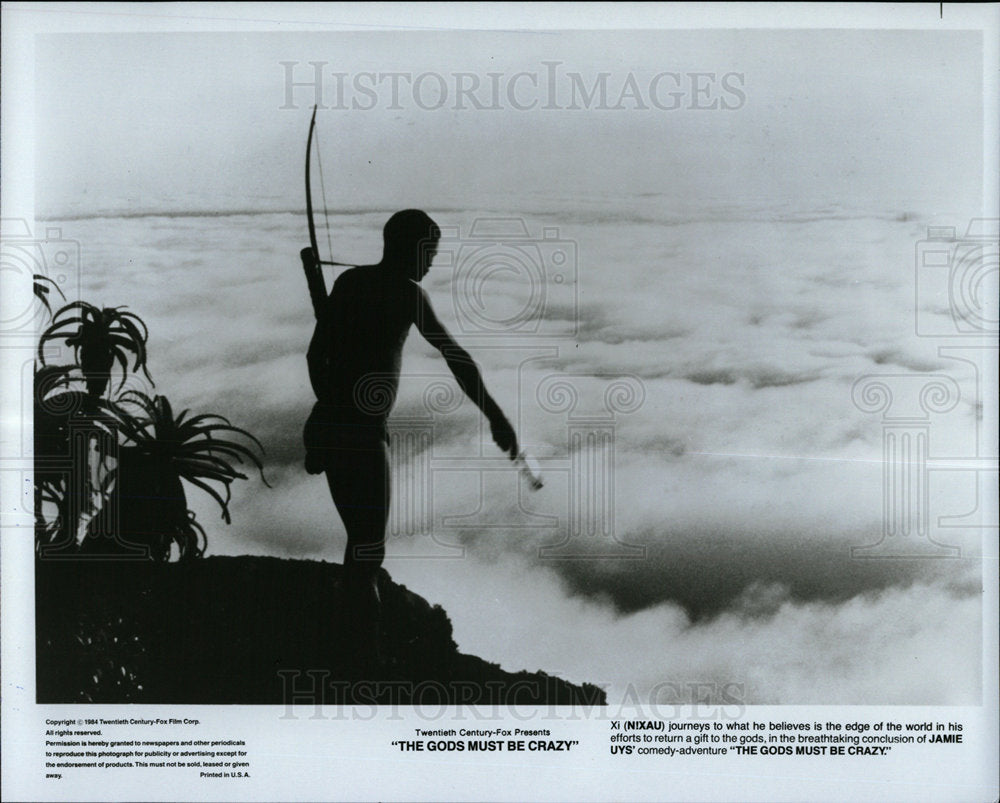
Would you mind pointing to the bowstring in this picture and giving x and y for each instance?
(322, 189)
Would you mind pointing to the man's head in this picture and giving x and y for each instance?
(411, 239)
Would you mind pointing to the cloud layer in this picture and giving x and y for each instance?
(716, 351)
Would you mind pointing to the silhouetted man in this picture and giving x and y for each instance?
(354, 363)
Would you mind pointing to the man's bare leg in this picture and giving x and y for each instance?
(359, 480)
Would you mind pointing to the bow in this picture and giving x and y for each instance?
(311, 262)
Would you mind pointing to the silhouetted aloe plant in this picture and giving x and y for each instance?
(99, 337)
(70, 425)
(160, 452)
(131, 454)
(41, 289)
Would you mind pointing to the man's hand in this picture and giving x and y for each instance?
(504, 436)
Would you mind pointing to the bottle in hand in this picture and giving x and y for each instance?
(530, 470)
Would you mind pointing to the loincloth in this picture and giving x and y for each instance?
(332, 431)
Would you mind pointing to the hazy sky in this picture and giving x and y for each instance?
(196, 120)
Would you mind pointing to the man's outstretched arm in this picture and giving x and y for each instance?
(466, 372)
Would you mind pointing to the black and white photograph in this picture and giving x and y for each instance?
(612, 391)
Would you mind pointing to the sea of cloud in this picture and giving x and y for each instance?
(738, 473)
